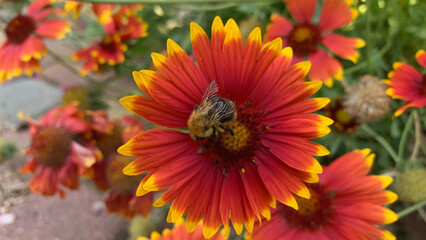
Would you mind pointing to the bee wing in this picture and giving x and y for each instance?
(211, 90)
(218, 112)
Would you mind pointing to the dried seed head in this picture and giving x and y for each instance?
(367, 101)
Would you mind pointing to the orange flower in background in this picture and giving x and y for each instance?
(122, 197)
(346, 203)
(179, 233)
(108, 174)
(123, 28)
(24, 46)
(104, 12)
(237, 172)
(74, 7)
(406, 83)
(308, 38)
(56, 157)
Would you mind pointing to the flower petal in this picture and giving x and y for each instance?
(154, 112)
(53, 28)
(343, 47)
(415, 103)
(172, 172)
(324, 68)
(405, 82)
(278, 28)
(187, 83)
(353, 164)
(291, 156)
(203, 52)
(271, 170)
(421, 58)
(37, 5)
(162, 91)
(158, 147)
(336, 14)
(273, 75)
(232, 52)
(301, 10)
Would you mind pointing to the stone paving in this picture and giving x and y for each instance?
(82, 215)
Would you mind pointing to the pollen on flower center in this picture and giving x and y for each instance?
(51, 146)
(117, 180)
(313, 212)
(233, 151)
(308, 207)
(19, 28)
(302, 34)
(343, 116)
(240, 138)
(303, 39)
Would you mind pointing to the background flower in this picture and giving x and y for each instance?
(24, 46)
(122, 26)
(344, 204)
(179, 233)
(56, 156)
(108, 175)
(406, 83)
(308, 38)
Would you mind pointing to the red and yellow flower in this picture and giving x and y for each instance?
(122, 197)
(103, 12)
(240, 176)
(308, 38)
(56, 156)
(108, 174)
(406, 83)
(24, 46)
(124, 27)
(179, 233)
(343, 121)
(345, 204)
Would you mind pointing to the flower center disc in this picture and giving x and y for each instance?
(343, 122)
(19, 28)
(119, 182)
(313, 213)
(109, 44)
(109, 143)
(234, 151)
(303, 39)
(240, 138)
(51, 146)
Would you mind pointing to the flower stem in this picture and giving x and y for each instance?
(383, 142)
(417, 138)
(71, 68)
(373, 58)
(404, 136)
(411, 209)
(367, 36)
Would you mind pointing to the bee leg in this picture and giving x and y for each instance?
(229, 130)
(201, 146)
(214, 136)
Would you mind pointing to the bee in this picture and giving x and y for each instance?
(208, 118)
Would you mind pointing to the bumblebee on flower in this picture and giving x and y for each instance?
(262, 140)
